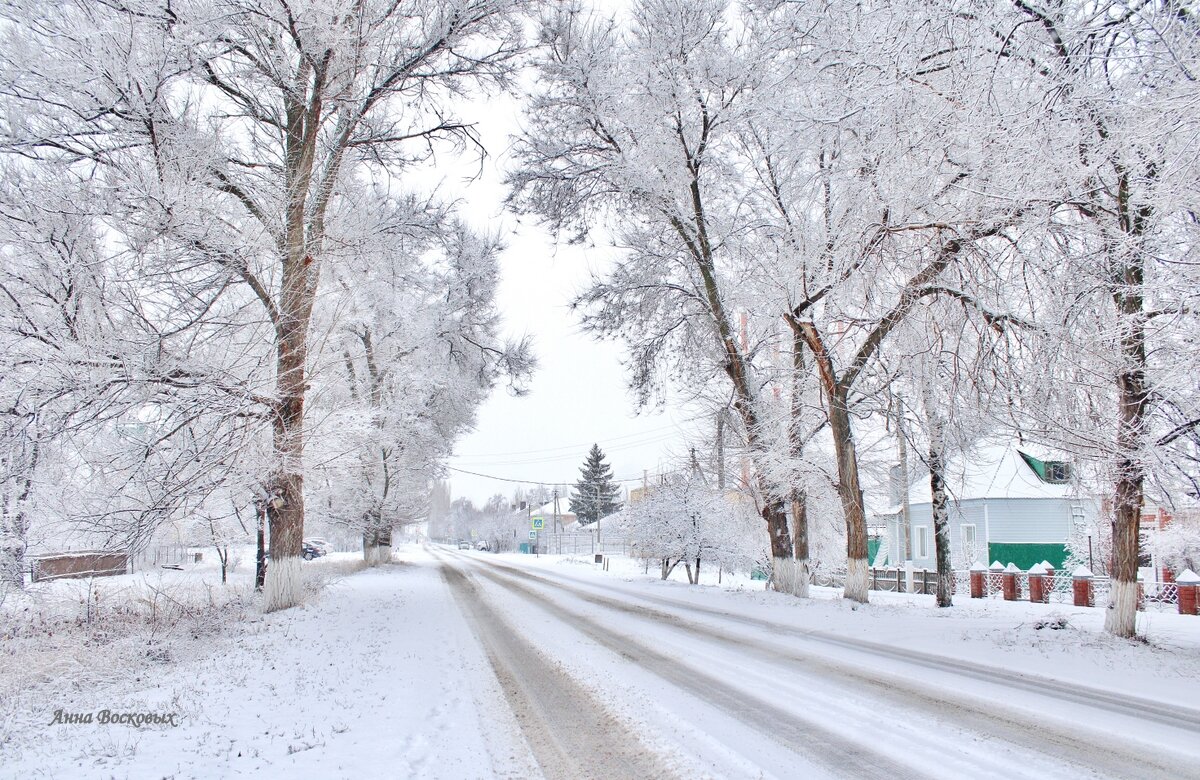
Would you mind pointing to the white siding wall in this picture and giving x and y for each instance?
(1009, 521)
(1030, 520)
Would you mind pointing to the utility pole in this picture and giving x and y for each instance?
(599, 547)
(721, 451)
(905, 514)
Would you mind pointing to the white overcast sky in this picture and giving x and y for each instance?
(578, 395)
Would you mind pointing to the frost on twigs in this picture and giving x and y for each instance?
(284, 584)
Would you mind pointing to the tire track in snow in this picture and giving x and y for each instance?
(828, 748)
(1106, 754)
(558, 717)
(1111, 701)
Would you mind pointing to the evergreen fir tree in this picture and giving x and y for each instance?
(595, 494)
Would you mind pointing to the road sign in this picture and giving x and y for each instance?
(533, 534)
(538, 523)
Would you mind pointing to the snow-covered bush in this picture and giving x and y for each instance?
(685, 521)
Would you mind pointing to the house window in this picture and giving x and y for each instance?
(968, 541)
(922, 541)
(1057, 472)
(1053, 472)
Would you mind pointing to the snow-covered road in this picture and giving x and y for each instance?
(450, 665)
(720, 693)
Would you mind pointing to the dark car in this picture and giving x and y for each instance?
(308, 552)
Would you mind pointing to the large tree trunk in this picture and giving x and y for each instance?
(377, 545)
(800, 541)
(1133, 401)
(783, 569)
(849, 490)
(850, 493)
(1121, 616)
(285, 506)
(297, 294)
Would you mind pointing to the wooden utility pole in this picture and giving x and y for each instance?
(721, 450)
(905, 515)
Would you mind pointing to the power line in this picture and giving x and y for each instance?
(530, 481)
(479, 460)
(673, 428)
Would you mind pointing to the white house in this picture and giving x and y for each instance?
(1006, 504)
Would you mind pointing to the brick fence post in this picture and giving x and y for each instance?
(1009, 580)
(978, 575)
(1037, 583)
(1081, 587)
(1188, 583)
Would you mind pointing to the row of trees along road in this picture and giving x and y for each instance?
(211, 262)
(206, 239)
(991, 206)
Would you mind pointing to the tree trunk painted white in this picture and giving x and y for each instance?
(377, 554)
(791, 576)
(284, 584)
(377, 546)
(1120, 618)
(858, 580)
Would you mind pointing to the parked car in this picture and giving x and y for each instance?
(308, 552)
(463, 544)
(322, 546)
(482, 544)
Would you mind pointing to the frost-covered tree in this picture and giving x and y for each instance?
(630, 131)
(1118, 84)
(233, 124)
(595, 494)
(683, 520)
(129, 390)
(413, 349)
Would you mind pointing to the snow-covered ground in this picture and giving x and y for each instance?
(378, 675)
(453, 664)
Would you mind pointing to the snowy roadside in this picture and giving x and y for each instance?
(1014, 636)
(377, 674)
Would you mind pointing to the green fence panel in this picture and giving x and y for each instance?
(1027, 555)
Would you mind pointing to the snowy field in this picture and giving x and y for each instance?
(451, 664)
